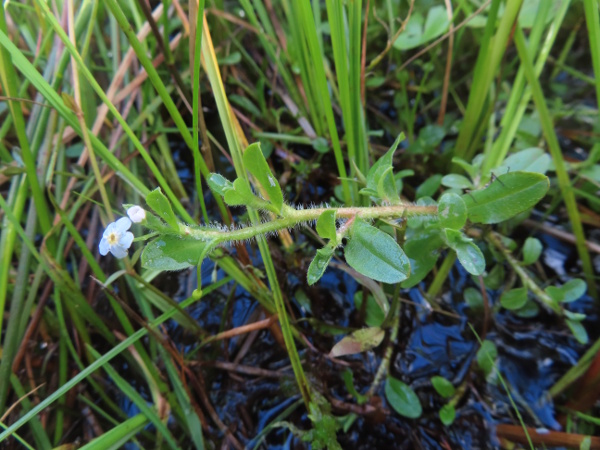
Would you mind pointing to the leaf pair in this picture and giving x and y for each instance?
(240, 193)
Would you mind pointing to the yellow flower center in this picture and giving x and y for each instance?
(112, 238)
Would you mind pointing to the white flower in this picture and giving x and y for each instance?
(116, 239)
(137, 214)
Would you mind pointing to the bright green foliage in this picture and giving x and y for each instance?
(380, 178)
(422, 248)
(447, 414)
(256, 164)
(532, 249)
(457, 181)
(374, 315)
(452, 211)
(174, 253)
(420, 31)
(376, 254)
(507, 196)
(514, 299)
(161, 206)
(358, 341)
(443, 386)
(219, 184)
(568, 292)
(468, 253)
(486, 356)
(402, 398)
(326, 225)
(323, 435)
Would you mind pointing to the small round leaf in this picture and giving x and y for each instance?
(402, 398)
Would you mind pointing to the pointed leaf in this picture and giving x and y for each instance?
(174, 253)
(161, 206)
(376, 254)
(256, 164)
(402, 398)
(358, 342)
(507, 196)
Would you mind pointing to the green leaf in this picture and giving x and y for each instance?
(374, 316)
(468, 253)
(376, 254)
(569, 292)
(473, 298)
(348, 378)
(174, 253)
(578, 331)
(509, 195)
(326, 225)
(443, 386)
(380, 178)
(529, 310)
(402, 398)
(161, 206)
(219, 184)
(452, 212)
(514, 299)
(495, 277)
(242, 194)
(319, 264)
(528, 160)
(486, 356)
(467, 167)
(256, 164)
(416, 33)
(456, 181)
(422, 248)
(359, 341)
(429, 187)
(447, 414)
(320, 144)
(532, 249)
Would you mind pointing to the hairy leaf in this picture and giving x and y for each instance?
(219, 183)
(326, 225)
(319, 264)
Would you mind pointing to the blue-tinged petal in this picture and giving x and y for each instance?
(118, 251)
(126, 240)
(123, 224)
(104, 247)
(111, 228)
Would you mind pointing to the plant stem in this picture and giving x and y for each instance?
(293, 217)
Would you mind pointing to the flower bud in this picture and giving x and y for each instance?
(137, 214)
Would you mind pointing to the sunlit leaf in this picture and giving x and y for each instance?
(376, 254)
(219, 183)
(506, 197)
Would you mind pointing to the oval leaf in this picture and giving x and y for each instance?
(486, 356)
(318, 265)
(507, 196)
(402, 398)
(468, 253)
(255, 162)
(219, 183)
(569, 292)
(359, 341)
(447, 414)
(452, 211)
(532, 249)
(174, 253)
(442, 386)
(514, 299)
(376, 254)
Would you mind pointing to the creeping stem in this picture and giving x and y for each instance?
(292, 217)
